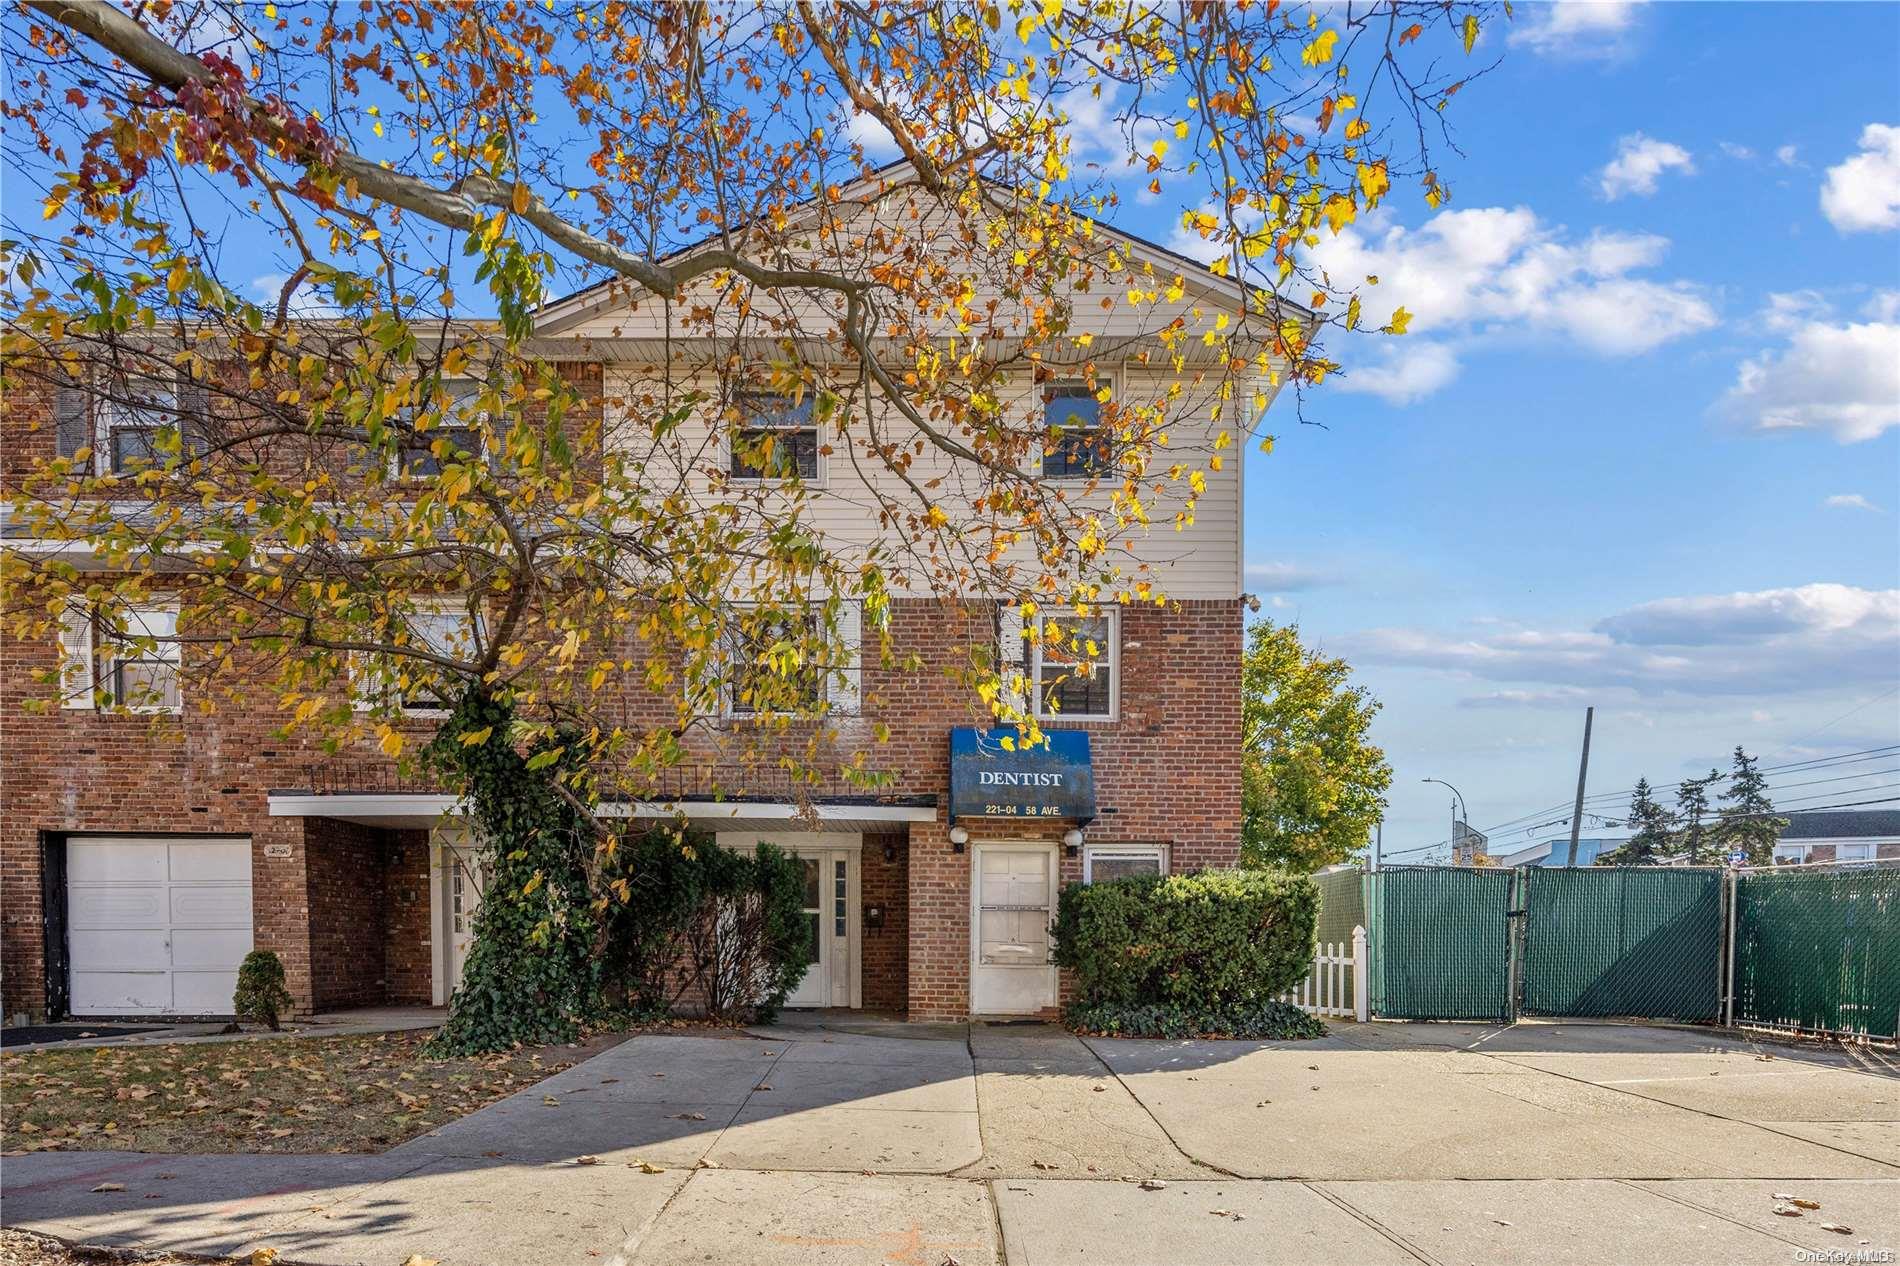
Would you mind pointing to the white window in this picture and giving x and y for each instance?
(1790, 854)
(459, 438)
(1860, 852)
(774, 669)
(447, 629)
(1074, 665)
(776, 439)
(1076, 444)
(1118, 861)
(131, 414)
(138, 659)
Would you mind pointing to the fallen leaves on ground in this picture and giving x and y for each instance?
(326, 1094)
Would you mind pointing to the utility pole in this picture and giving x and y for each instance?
(1583, 772)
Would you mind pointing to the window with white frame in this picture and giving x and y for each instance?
(453, 438)
(1102, 862)
(139, 660)
(131, 414)
(1074, 665)
(448, 629)
(1075, 443)
(777, 438)
(773, 663)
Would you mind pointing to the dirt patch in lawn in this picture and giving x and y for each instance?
(332, 1094)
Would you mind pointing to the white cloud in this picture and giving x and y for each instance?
(1491, 271)
(1284, 577)
(1787, 155)
(1405, 373)
(1741, 153)
(1862, 194)
(304, 300)
(1575, 28)
(1840, 378)
(1771, 641)
(862, 129)
(1639, 163)
(1556, 696)
(1850, 501)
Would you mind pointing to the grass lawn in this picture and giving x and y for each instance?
(329, 1094)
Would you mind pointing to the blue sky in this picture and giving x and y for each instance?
(1524, 535)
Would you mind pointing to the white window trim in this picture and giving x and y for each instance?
(103, 676)
(845, 699)
(1105, 376)
(363, 700)
(400, 475)
(1090, 852)
(109, 415)
(821, 466)
(1113, 660)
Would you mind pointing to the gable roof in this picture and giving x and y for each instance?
(558, 314)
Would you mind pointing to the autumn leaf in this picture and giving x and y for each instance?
(1320, 51)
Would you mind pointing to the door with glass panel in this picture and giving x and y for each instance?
(1013, 898)
(826, 909)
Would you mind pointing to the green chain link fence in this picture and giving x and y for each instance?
(1342, 907)
(1819, 949)
(1623, 941)
(1441, 943)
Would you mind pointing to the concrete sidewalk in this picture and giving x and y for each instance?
(1416, 1143)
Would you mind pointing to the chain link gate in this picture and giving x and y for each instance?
(1642, 942)
(1441, 944)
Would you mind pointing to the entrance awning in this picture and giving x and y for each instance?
(425, 809)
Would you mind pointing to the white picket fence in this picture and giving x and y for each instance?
(1337, 984)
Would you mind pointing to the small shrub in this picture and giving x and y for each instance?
(261, 996)
(645, 937)
(747, 943)
(1220, 943)
(1257, 1021)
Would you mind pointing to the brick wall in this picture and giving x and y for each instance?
(344, 865)
(885, 952)
(408, 965)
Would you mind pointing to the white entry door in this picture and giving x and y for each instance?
(1013, 900)
(829, 904)
(459, 896)
(156, 926)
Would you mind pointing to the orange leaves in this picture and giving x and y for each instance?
(1411, 33)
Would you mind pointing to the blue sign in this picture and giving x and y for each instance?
(989, 779)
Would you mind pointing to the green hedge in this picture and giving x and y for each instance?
(1217, 942)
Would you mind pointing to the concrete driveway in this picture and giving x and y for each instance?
(850, 1144)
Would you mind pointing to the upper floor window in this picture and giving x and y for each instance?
(131, 414)
(777, 438)
(447, 629)
(455, 434)
(1076, 443)
(780, 663)
(137, 662)
(1074, 666)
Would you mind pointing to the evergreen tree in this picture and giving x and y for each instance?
(1651, 822)
(1747, 821)
(1692, 805)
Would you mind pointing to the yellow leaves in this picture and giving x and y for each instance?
(1352, 313)
(474, 738)
(1401, 319)
(1373, 181)
(1083, 340)
(1320, 51)
(534, 883)
(1181, 130)
(1161, 147)
(391, 743)
(1471, 31)
(1357, 128)
(521, 199)
(1339, 211)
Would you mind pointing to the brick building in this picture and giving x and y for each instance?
(143, 853)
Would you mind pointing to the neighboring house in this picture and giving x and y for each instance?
(1840, 835)
(143, 855)
(1557, 852)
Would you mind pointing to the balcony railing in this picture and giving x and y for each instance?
(714, 781)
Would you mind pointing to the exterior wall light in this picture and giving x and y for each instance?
(1072, 840)
(959, 836)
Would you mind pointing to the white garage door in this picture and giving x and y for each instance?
(156, 926)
